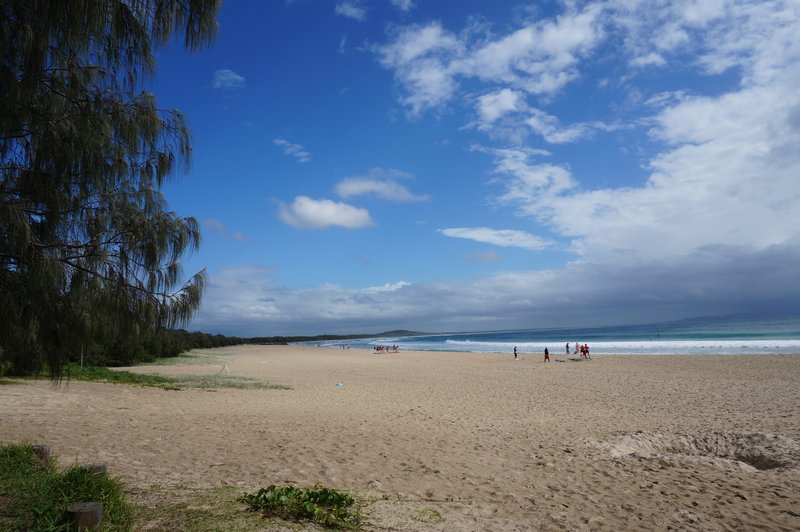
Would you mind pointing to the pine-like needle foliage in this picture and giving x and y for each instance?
(89, 251)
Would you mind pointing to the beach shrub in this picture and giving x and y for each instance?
(325, 506)
(34, 495)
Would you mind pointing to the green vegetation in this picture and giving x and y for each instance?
(89, 252)
(34, 495)
(165, 343)
(325, 506)
(93, 373)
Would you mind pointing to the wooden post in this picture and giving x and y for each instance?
(85, 515)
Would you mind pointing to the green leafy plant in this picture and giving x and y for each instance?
(325, 506)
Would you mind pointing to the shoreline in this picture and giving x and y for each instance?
(484, 441)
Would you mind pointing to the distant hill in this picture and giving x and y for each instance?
(282, 340)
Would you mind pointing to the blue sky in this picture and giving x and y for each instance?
(369, 165)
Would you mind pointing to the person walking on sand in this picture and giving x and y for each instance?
(515, 352)
(567, 348)
(546, 355)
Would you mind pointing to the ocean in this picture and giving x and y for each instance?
(711, 336)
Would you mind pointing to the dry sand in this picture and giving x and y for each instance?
(457, 441)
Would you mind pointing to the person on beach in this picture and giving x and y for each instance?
(567, 348)
(577, 348)
(587, 351)
(546, 355)
(515, 352)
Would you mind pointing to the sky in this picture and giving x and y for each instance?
(440, 166)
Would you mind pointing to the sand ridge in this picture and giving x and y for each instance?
(458, 441)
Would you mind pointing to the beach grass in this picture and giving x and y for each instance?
(180, 507)
(34, 494)
(193, 357)
(205, 382)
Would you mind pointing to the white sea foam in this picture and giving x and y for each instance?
(642, 347)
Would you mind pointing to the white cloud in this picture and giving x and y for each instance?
(651, 59)
(227, 80)
(727, 177)
(551, 130)
(419, 56)
(539, 58)
(494, 105)
(308, 213)
(403, 5)
(351, 9)
(379, 182)
(297, 151)
(499, 237)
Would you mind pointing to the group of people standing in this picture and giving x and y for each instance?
(394, 348)
(583, 349)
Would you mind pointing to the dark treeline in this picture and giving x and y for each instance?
(162, 344)
(270, 340)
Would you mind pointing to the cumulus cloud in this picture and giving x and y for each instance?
(308, 213)
(499, 237)
(227, 80)
(379, 182)
(351, 9)
(297, 151)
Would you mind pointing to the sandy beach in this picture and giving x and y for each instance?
(456, 441)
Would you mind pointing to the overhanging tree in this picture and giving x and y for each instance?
(88, 247)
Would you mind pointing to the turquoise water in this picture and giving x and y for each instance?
(696, 336)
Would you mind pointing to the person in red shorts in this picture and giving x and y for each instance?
(546, 355)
